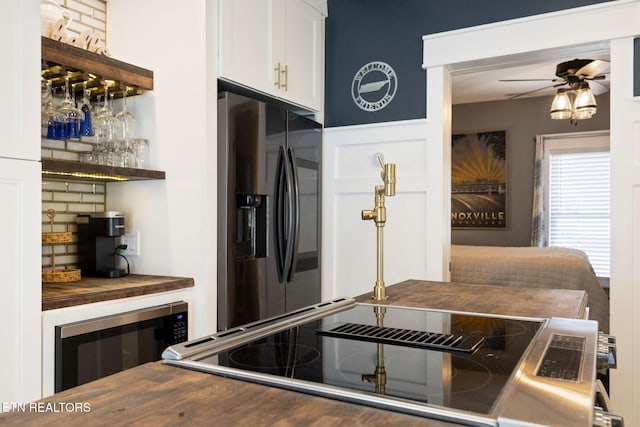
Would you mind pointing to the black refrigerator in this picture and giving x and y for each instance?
(269, 166)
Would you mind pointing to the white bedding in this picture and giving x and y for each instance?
(531, 267)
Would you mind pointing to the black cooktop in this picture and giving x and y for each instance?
(455, 360)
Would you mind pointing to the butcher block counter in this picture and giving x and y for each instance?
(97, 289)
(503, 300)
(157, 394)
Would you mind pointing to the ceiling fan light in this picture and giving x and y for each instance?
(584, 114)
(561, 106)
(585, 104)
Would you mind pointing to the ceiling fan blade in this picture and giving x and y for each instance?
(527, 80)
(598, 77)
(594, 68)
(556, 80)
(518, 95)
(598, 88)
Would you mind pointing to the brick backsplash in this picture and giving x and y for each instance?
(87, 15)
(68, 198)
(65, 149)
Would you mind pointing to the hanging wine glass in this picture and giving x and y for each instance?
(100, 132)
(61, 123)
(86, 127)
(46, 103)
(45, 92)
(117, 145)
(77, 115)
(102, 128)
(107, 129)
(118, 132)
(127, 126)
(127, 120)
(53, 118)
(73, 115)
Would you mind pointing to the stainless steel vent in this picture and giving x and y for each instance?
(405, 337)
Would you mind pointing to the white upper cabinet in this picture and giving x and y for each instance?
(303, 55)
(244, 48)
(20, 71)
(275, 47)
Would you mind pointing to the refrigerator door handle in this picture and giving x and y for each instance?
(279, 238)
(284, 220)
(295, 208)
(289, 218)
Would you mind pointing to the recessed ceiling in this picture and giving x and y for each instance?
(484, 86)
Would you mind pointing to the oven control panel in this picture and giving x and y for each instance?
(563, 358)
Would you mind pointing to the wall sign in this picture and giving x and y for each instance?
(479, 180)
(374, 86)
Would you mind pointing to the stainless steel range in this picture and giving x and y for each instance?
(467, 368)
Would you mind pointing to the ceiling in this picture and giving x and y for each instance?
(483, 86)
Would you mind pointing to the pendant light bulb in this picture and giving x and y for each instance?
(585, 104)
(561, 106)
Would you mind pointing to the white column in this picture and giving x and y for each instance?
(20, 193)
(625, 232)
(438, 212)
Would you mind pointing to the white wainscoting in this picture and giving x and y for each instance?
(350, 173)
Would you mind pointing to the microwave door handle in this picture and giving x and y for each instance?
(120, 319)
(295, 215)
(279, 208)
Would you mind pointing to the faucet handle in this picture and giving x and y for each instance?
(388, 175)
(389, 178)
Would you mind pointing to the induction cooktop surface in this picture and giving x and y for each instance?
(462, 367)
(316, 351)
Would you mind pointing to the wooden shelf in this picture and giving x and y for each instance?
(65, 169)
(60, 60)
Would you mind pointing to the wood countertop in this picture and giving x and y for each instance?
(96, 289)
(506, 300)
(157, 394)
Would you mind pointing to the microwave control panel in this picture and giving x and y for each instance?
(178, 328)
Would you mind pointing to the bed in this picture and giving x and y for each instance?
(532, 267)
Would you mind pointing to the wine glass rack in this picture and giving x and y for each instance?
(59, 61)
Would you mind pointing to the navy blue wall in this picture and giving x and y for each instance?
(362, 31)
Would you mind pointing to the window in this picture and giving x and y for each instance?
(577, 171)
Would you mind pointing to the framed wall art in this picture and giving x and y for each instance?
(479, 180)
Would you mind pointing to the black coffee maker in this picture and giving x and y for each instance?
(98, 240)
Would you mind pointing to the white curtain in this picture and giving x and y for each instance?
(538, 223)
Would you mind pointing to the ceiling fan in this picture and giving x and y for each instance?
(574, 74)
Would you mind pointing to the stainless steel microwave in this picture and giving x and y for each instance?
(95, 348)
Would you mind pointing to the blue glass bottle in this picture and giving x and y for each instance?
(86, 127)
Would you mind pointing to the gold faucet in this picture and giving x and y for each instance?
(379, 215)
